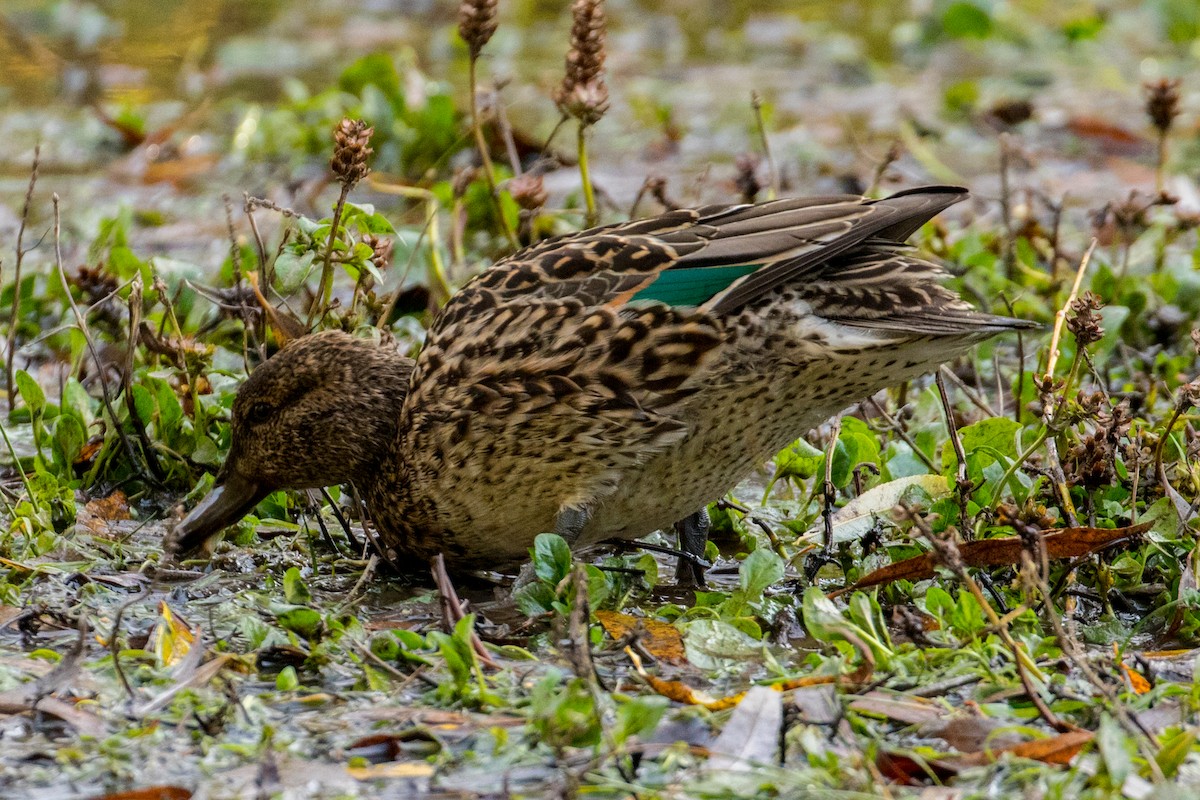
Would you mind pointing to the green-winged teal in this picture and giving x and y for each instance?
(604, 384)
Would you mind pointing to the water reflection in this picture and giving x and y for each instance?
(135, 51)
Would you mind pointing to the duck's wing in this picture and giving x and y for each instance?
(540, 364)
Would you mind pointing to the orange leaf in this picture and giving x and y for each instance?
(149, 793)
(659, 639)
(1054, 750)
(113, 507)
(682, 693)
(1137, 682)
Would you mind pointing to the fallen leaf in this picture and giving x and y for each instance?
(682, 693)
(1112, 139)
(1137, 682)
(148, 793)
(1003, 550)
(111, 508)
(853, 520)
(752, 734)
(172, 638)
(200, 677)
(910, 771)
(909, 710)
(402, 769)
(16, 701)
(1058, 749)
(660, 639)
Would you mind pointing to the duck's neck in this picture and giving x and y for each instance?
(381, 384)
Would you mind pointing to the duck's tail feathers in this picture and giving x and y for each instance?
(792, 239)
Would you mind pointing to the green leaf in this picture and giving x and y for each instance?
(143, 403)
(301, 621)
(170, 411)
(966, 20)
(1174, 751)
(384, 645)
(551, 557)
(294, 589)
(639, 716)
(287, 680)
(712, 643)
(800, 461)
(31, 393)
(997, 433)
(760, 569)
(69, 439)
(292, 269)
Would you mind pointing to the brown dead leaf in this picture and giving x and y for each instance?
(1111, 139)
(660, 639)
(682, 693)
(287, 328)
(179, 171)
(149, 793)
(17, 701)
(1058, 749)
(908, 710)
(88, 453)
(111, 508)
(1004, 550)
(906, 770)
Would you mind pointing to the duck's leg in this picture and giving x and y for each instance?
(570, 522)
(693, 536)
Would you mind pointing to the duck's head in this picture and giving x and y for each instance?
(322, 411)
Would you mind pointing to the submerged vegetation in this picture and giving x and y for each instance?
(1010, 601)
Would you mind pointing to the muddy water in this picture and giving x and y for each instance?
(840, 81)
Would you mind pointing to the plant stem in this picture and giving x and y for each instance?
(772, 175)
(325, 288)
(15, 318)
(93, 350)
(589, 196)
(20, 470)
(485, 159)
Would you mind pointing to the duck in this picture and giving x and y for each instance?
(605, 384)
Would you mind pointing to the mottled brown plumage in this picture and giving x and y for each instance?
(562, 390)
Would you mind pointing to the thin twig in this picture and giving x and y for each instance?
(94, 351)
(485, 158)
(114, 642)
(15, 318)
(895, 427)
(962, 481)
(1060, 318)
(453, 609)
(756, 103)
(828, 490)
(1008, 252)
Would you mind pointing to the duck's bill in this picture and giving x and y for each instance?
(227, 503)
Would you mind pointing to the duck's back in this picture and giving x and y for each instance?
(639, 371)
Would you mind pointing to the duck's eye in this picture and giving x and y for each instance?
(259, 412)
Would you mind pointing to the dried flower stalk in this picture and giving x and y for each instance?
(583, 93)
(476, 23)
(1162, 106)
